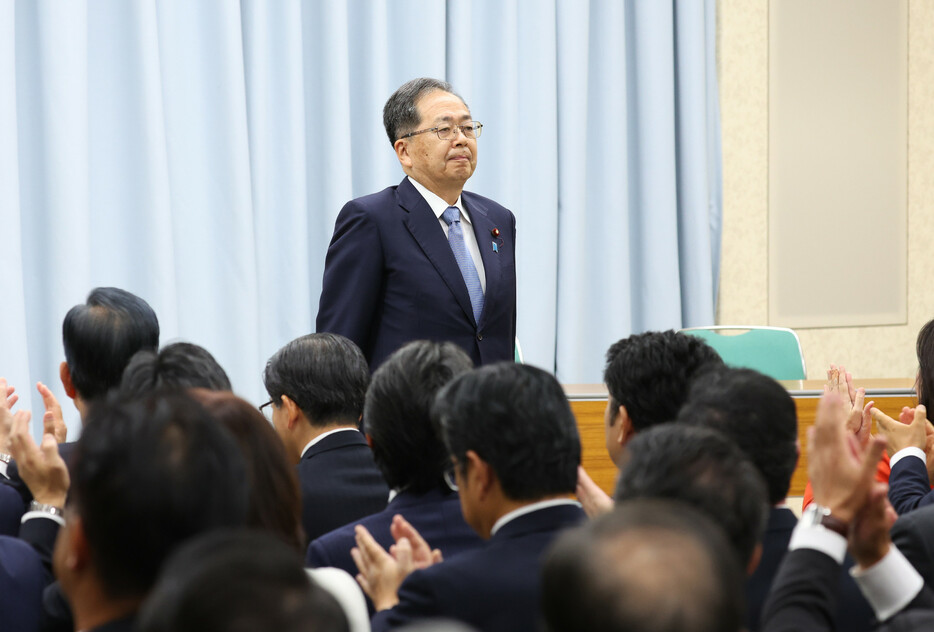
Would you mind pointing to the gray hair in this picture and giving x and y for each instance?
(400, 115)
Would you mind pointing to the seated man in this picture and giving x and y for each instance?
(706, 470)
(316, 386)
(138, 484)
(758, 414)
(648, 376)
(849, 512)
(238, 580)
(513, 441)
(409, 453)
(647, 565)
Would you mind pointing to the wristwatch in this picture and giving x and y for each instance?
(819, 515)
(52, 510)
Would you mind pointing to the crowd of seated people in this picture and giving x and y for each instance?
(437, 496)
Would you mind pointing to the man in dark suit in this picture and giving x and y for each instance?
(424, 259)
(316, 386)
(758, 414)
(410, 454)
(913, 534)
(515, 451)
(849, 512)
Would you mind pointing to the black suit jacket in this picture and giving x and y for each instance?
(853, 612)
(494, 588)
(909, 486)
(804, 596)
(390, 277)
(65, 450)
(339, 483)
(913, 534)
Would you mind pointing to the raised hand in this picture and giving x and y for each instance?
(53, 422)
(41, 468)
(423, 555)
(901, 435)
(381, 574)
(858, 417)
(593, 499)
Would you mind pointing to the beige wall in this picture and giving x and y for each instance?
(887, 351)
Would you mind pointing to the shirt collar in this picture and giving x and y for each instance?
(325, 434)
(527, 509)
(438, 206)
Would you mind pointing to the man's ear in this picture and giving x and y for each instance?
(402, 152)
(626, 430)
(293, 414)
(369, 440)
(77, 553)
(479, 473)
(64, 373)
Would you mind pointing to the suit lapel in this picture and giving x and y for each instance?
(422, 223)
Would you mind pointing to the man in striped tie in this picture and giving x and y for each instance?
(424, 259)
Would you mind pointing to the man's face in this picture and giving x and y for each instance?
(440, 165)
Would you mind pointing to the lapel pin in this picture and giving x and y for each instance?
(495, 247)
(495, 232)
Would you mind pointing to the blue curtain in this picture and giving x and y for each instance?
(198, 153)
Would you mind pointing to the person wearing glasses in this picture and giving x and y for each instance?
(424, 259)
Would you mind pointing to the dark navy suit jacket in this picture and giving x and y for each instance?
(12, 508)
(913, 534)
(909, 486)
(25, 570)
(435, 515)
(339, 483)
(390, 277)
(494, 588)
(853, 612)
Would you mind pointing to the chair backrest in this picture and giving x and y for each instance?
(775, 351)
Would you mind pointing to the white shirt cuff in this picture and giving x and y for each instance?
(890, 584)
(3, 466)
(30, 515)
(911, 451)
(818, 538)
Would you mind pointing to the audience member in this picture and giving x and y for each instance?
(316, 386)
(647, 376)
(758, 414)
(849, 511)
(704, 469)
(409, 452)
(147, 475)
(513, 440)
(178, 365)
(238, 580)
(649, 565)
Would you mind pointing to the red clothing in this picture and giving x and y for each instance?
(883, 470)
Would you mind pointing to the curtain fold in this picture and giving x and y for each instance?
(197, 154)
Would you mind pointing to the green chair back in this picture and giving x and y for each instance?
(775, 351)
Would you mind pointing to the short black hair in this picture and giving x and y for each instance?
(147, 475)
(703, 468)
(757, 413)
(400, 114)
(238, 581)
(925, 351)
(650, 374)
(649, 565)
(325, 374)
(516, 418)
(179, 365)
(102, 335)
(407, 445)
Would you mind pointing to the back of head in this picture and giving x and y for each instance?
(703, 468)
(102, 335)
(325, 374)
(649, 565)
(516, 418)
(238, 581)
(406, 443)
(147, 475)
(757, 413)
(650, 374)
(400, 114)
(274, 497)
(925, 351)
(180, 365)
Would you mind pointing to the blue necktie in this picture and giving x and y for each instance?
(452, 217)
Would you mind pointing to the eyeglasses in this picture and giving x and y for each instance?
(470, 129)
(267, 413)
